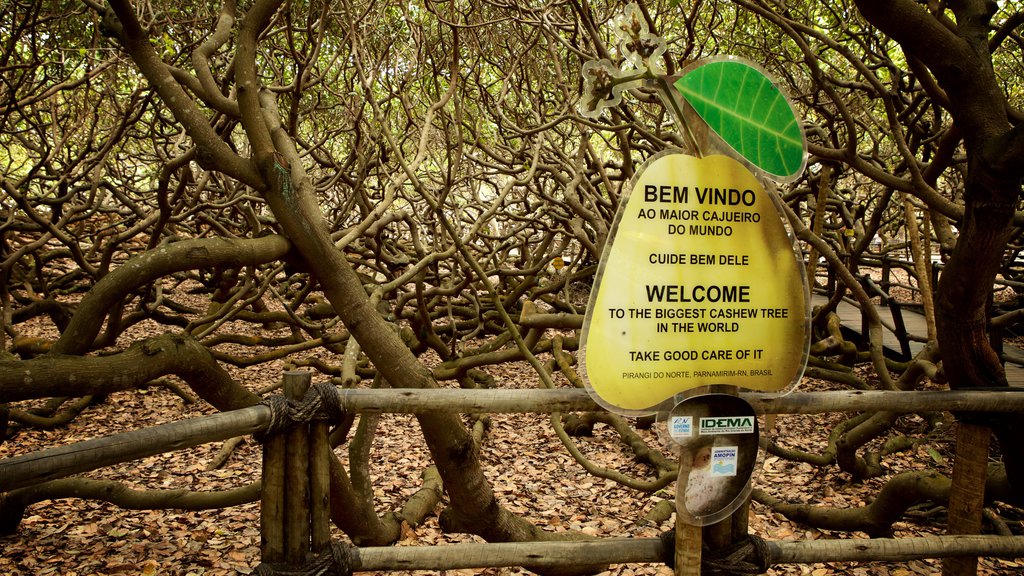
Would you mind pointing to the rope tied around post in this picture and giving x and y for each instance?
(336, 560)
(295, 494)
(320, 402)
(745, 557)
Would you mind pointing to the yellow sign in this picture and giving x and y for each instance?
(698, 285)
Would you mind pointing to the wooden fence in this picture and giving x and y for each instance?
(294, 492)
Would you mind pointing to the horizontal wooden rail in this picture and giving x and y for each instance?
(577, 400)
(63, 461)
(894, 549)
(499, 555)
(651, 550)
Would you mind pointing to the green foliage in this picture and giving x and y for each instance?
(748, 112)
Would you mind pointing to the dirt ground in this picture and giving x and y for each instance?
(532, 475)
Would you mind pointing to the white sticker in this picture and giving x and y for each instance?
(723, 460)
(680, 427)
(727, 425)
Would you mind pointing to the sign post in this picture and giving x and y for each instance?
(700, 290)
(689, 541)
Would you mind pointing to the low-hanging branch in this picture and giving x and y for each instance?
(14, 503)
(142, 362)
(898, 495)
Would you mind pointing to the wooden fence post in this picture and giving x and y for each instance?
(296, 502)
(272, 500)
(719, 535)
(688, 536)
(295, 513)
(886, 281)
(320, 486)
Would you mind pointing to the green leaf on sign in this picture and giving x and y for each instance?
(748, 112)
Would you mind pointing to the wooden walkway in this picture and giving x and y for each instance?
(850, 316)
(914, 323)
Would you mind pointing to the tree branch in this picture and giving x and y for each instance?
(215, 154)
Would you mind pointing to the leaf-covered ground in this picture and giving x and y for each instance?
(531, 472)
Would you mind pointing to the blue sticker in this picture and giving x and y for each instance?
(681, 426)
(723, 460)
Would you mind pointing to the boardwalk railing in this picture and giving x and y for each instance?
(294, 520)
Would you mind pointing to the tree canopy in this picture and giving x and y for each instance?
(390, 183)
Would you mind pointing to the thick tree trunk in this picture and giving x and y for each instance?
(967, 492)
(290, 197)
(957, 52)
